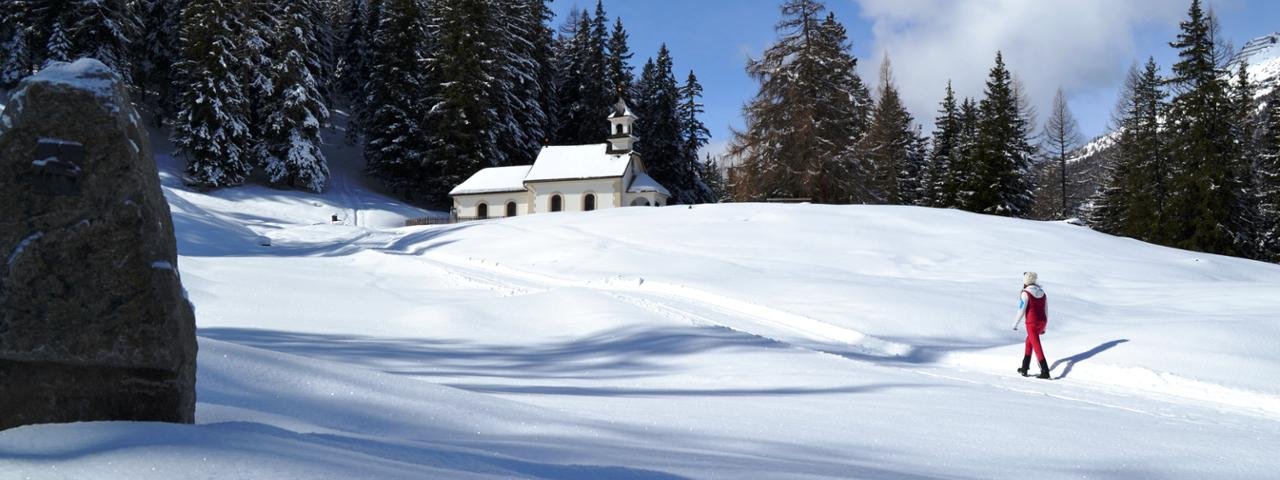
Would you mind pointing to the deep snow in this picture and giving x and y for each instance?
(719, 341)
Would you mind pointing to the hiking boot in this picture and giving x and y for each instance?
(1026, 365)
(1044, 370)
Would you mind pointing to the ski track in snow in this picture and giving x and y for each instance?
(706, 309)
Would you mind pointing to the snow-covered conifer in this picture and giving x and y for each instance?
(211, 130)
(395, 97)
(298, 110)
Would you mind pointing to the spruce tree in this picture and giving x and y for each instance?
(1133, 201)
(964, 168)
(103, 30)
(1267, 179)
(713, 176)
(1061, 135)
(1245, 130)
(660, 135)
(395, 141)
(58, 48)
(156, 53)
(890, 146)
(620, 76)
(211, 130)
(299, 109)
(16, 56)
(256, 37)
(695, 136)
(946, 137)
(1002, 154)
(1204, 190)
(804, 123)
(461, 117)
(519, 62)
(352, 69)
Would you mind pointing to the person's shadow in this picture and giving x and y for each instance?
(1071, 361)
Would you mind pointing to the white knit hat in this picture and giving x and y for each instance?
(1029, 278)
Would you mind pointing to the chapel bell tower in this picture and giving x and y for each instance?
(621, 135)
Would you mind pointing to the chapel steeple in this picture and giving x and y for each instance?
(621, 135)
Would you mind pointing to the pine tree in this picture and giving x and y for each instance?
(586, 93)
(462, 113)
(911, 178)
(1204, 190)
(352, 70)
(299, 110)
(713, 176)
(258, 33)
(211, 130)
(1245, 131)
(58, 47)
(395, 144)
(890, 146)
(103, 30)
(15, 46)
(620, 76)
(1002, 154)
(1061, 134)
(156, 53)
(695, 136)
(660, 134)
(324, 49)
(1267, 179)
(803, 124)
(964, 168)
(1133, 201)
(946, 136)
(520, 65)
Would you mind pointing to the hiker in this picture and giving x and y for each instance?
(1033, 307)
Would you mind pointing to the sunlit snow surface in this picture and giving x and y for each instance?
(725, 341)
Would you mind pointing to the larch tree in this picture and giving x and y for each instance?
(1061, 136)
(804, 123)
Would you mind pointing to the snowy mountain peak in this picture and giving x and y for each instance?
(1262, 55)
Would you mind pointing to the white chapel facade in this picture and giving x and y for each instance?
(565, 178)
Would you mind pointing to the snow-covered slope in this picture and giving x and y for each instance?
(719, 341)
(1262, 57)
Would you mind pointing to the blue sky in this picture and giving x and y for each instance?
(1085, 46)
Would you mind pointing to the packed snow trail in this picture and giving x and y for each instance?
(682, 302)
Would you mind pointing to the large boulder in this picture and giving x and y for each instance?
(94, 322)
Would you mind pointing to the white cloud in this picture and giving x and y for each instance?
(1083, 45)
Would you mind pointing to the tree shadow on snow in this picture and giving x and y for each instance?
(337, 452)
(695, 392)
(1079, 357)
(614, 354)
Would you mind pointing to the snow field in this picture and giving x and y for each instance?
(722, 341)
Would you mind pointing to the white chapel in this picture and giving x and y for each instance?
(572, 178)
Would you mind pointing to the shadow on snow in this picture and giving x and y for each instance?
(1079, 357)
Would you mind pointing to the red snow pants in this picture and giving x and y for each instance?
(1033, 341)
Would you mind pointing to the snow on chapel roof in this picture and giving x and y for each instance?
(644, 183)
(577, 162)
(494, 180)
